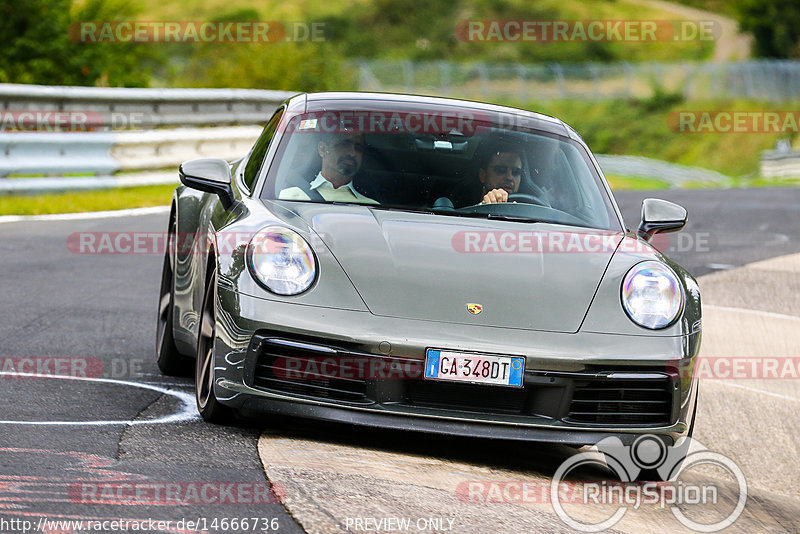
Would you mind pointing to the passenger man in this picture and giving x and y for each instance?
(341, 155)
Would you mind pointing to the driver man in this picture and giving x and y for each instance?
(341, 159)
(500, 174)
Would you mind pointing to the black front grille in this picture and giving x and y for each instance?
(602, 398)
(297, 368)
(622, 401)
(467, 397)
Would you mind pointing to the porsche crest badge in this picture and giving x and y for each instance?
(473, 308)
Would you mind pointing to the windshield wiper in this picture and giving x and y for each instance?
(492, 216)
(409, 209)
(512, 218)
(457, 213)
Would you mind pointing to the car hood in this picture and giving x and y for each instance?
(435, 267)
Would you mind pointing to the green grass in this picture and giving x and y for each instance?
(623, 183)
(73, 202)
(767, 182)
(641, 128)
(619, 183)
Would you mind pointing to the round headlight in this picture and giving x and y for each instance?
(281, 260)
(652, 295)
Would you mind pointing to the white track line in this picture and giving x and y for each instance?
(188, 411)
(85, 215)
(771, 394)
(770, 315)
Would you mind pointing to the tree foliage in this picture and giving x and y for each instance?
(775, 25)
(38, 48)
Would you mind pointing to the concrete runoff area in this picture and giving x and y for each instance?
(339, 478)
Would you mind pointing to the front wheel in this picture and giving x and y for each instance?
(207, 404)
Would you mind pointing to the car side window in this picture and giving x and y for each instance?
(260, 149)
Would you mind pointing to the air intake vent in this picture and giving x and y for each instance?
(622, 401)
(307, 370)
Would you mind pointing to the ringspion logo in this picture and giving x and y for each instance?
(650, 453)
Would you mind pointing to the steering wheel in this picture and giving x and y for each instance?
(526, 198)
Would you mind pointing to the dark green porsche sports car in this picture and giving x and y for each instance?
(426, 264)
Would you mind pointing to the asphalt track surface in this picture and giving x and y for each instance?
(99, 311)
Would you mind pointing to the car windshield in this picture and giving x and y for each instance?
(442, 162)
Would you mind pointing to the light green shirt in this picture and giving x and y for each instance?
(344, 193)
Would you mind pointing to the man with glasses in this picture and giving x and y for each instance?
(498, 173)
(341, 159)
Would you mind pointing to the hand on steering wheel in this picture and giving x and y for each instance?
(495, 196)
(500, 196)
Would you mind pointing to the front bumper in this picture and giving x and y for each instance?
(578, 388)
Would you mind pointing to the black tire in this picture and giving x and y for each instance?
(207, 404)
(170, 361)
(694, 412)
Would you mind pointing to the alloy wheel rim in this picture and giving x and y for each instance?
(165, 295)
(205, 354)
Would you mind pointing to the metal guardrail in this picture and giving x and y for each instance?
(105, 153)
(110, 152)
(148, 108)
(122, 132)
(672, 173)
(781, 163)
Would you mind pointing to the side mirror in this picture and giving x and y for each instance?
(660, 216)
(210, 175)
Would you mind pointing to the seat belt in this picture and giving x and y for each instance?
(312, 194)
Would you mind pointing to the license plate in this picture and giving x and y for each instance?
(475, 368)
